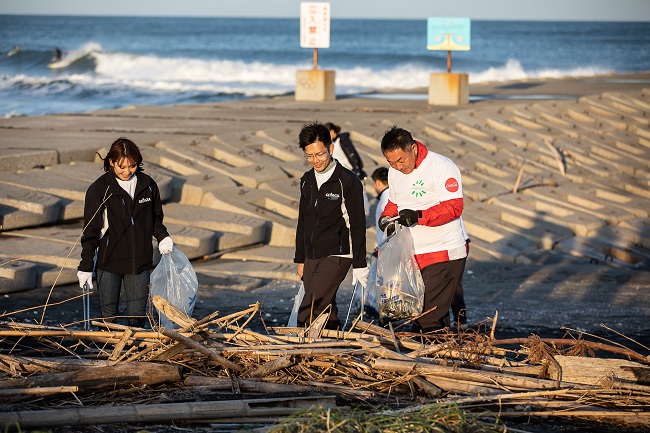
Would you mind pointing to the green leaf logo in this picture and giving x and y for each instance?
(418, 188)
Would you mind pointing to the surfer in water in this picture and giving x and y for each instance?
(14, 50)
(57, 55)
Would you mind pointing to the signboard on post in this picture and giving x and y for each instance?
(315, 84)
(448, 34)
(314, 25)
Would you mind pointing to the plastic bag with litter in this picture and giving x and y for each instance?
(400, 288)
(175, 280)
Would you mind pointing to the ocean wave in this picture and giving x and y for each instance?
(94, 78)
(183, 73)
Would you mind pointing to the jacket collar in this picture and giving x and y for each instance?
(422, 153)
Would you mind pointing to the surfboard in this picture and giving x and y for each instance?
(12, 52)
(57, 65)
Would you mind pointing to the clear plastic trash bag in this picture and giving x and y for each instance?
(175, 280)
(370, 292)
(293, 318)
(400, 288)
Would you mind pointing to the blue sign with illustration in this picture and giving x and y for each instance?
(449, 34)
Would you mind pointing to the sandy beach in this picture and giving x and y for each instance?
(544, 283)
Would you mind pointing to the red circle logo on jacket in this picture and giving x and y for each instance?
(451, 184)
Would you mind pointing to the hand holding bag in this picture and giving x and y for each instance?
(400, 288)
(175, 280)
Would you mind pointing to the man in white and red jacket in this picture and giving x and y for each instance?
(427, 194)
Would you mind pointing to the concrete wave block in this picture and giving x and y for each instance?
(21, 207)
(640, 230)
(17, 159)
(54, 260)
(477, 188)
(598, 250)
(233, 229)
(282, 213)
(240, 165)
(194, 242)
(582, 199)
(16, 275)
(491, 222)
(71, 191)
(537, 209)
(287, 188)
(264, 253)
(276, 271)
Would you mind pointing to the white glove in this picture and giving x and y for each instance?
(166, 245)
(360, 275)
(85, 277)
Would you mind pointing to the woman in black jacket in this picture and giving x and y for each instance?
(122, 212)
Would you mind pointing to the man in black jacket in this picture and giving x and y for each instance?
(331, 231)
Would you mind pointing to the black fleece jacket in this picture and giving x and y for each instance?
(126, 247)
(322, 229)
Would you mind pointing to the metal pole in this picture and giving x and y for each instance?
(315, 58)
(86, 300)
(448, 61)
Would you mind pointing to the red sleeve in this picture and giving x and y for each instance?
(441, 213)
(390, 210)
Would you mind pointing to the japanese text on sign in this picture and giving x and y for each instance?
(314, 25)
(449, 34)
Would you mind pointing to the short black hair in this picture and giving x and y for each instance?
(333, 127)
(313, 132)
(395, 138)
(380, 174)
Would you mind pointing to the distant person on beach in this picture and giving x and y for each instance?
(57, 55)
(346, 154)
(380, 183)
(122, 212)
(331, 230)
(427, 194)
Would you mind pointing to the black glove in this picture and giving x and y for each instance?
(383, 222)
(408, 217)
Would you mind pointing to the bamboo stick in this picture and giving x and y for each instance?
(196, 346)
(148, 413)
(42, 390)
(272, 366)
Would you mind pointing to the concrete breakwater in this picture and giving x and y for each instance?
(544, 179)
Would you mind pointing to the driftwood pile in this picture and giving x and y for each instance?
(218, 370)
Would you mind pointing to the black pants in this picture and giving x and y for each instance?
(322, 278)
(458, 308)
(441, 281)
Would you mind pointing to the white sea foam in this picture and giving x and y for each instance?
(150, 71)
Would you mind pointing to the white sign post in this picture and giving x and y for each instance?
(315, 27)
(315, 84)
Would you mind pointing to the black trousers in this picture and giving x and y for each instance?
(441, 280)
(322, 278)
(458, 308)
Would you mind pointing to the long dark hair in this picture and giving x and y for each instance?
(123, 148)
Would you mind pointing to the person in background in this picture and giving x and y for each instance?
(427, 194)
(331, 230)
(380, 183)
(57, 55)
(122, 212)
(346, 154)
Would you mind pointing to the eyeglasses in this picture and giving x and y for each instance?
(318, 155)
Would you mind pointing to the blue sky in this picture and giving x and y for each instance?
(571, 10)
